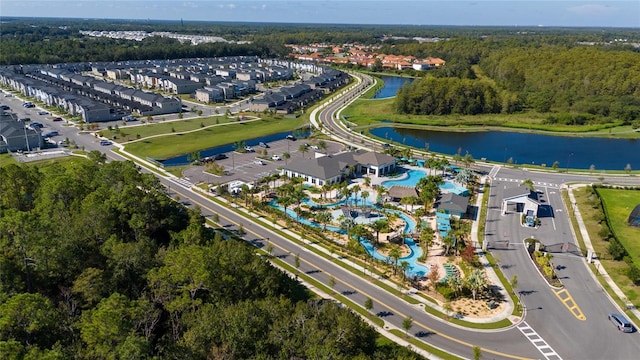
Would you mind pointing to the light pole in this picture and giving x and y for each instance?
(505, 154)
(568, 159)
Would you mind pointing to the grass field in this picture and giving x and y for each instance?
(129, 133)
(615, 269)
(369, 112)
(619, 204)
(172, 144)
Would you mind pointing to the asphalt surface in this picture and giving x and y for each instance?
(550, 317)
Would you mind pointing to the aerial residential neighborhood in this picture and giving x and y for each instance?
(319, 180)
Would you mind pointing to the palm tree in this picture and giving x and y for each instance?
(323, 217)
(322, 145)
(394, 255)
(476, 282)
(455, 283)
(404, 265)
(468, 159)
(528, 183)
(285, 202)
(378, 226)
(355, 190)
(325, 188)
(286, 156)
(303, 149)
(365, 196)
(367, 181)
(448, 242)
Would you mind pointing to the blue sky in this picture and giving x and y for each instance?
(610, 13)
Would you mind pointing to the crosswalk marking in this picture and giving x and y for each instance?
(545, 349)
(550, 185)
(184, 182)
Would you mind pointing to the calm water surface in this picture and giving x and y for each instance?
(523, 148)
(391, 86)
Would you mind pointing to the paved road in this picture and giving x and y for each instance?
(573, 322)
(547, 315)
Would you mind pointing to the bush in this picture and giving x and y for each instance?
(633, 272)
(616, 250)
(446, 291)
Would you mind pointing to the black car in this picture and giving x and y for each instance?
(290, 137)
(219, 157)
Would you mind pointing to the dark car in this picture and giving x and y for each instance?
(57, 119)
(290, 137)
(219, 157)
(51, 134)
(5, 107)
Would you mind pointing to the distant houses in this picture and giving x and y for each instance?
(95, 98)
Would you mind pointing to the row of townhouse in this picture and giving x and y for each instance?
(288, 99)
(91, 99)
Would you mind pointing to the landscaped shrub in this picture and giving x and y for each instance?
(446, 291)
(616, 250)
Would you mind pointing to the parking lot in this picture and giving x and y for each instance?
(244, 167)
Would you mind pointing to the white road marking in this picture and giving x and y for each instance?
(537, 341)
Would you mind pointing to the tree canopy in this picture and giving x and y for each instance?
(98, 262)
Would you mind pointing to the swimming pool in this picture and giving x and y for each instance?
(414, 268)
(412, 177)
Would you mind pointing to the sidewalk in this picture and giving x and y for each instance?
(599, 268)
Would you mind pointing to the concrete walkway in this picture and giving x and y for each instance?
(599, 268)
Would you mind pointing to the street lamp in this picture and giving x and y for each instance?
(568, 159)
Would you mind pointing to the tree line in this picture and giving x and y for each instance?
(98, 262)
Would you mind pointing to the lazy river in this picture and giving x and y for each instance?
(414, 268)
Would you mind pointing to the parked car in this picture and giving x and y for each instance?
(105, 142)
(24, 119)
(51, 134)
(57, 119)
(219, 157)
(385, 145)
(290, 137)
(36, 125)
(5, 107)
(621, 322)
(258, 162)
(248, 149)
(43, 112)
(276, 157)
(8, 95)
(264, 145)
(28, 104)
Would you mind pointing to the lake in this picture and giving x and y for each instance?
(523, 148)
(391, 86)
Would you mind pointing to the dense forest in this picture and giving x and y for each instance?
(96, 261)
(576, 85)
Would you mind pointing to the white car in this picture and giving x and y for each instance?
(258, 162)
(276, 157)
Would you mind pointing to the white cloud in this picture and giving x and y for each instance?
(231, 6)
(264, 7)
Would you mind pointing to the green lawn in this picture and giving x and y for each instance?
(175, 144)
(129, 133)
(366, 112)
(619, 204)
(615, 269)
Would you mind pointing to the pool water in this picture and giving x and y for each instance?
(414, 268)
(412, 177)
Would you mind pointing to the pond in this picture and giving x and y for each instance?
(183, 159)
(523, 148)
(391, 86)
